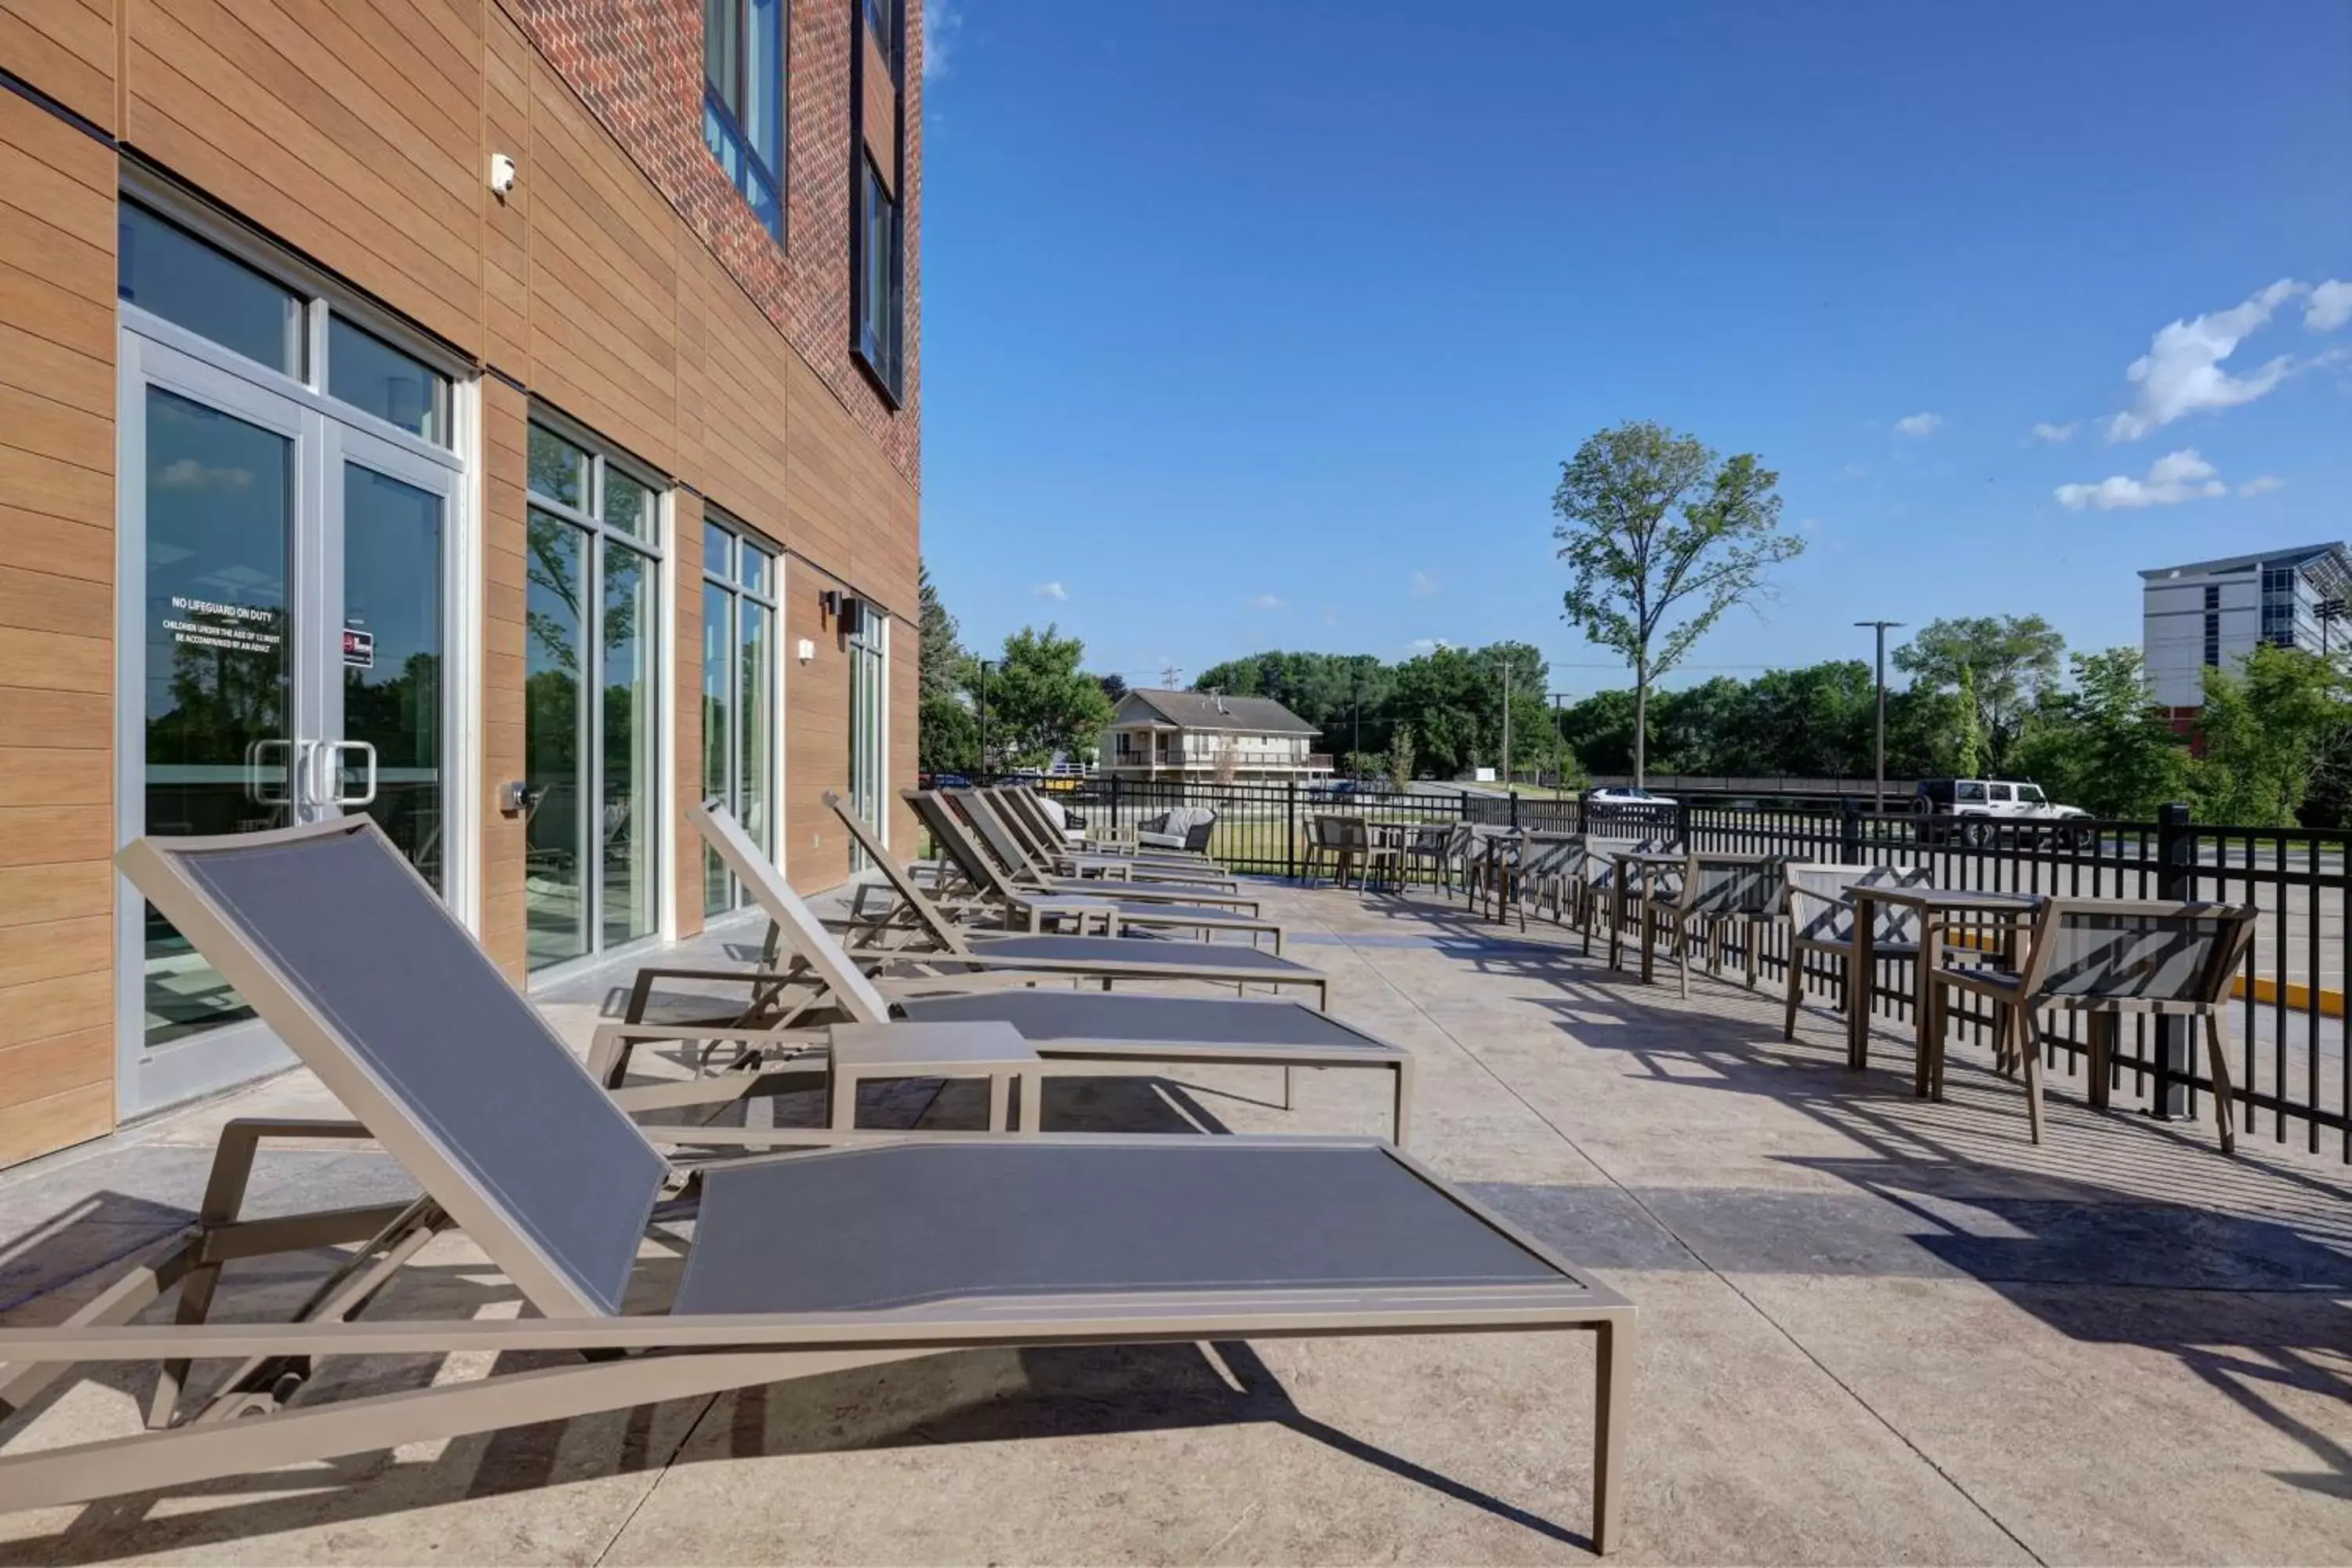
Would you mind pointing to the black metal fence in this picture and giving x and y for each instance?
(2289, 1064)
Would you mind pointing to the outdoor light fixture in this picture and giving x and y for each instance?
(502, 174)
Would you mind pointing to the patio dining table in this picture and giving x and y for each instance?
(1939, 910)
(1645, 864)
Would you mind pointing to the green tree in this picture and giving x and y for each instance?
(1969, 755)
(1400, 755)
(1040, 701)
(2103, 746)
(1655, 528)
(2012, 662)
(1599, 731)
(2269, 726)
(947, 731)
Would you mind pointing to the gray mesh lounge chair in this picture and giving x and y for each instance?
(940, 947)
(1036, 1241)
(1186, 827)
(2107, 957)
(955, 840)
(1079, 1033)
(1048, 859)
(999, 841)
(1819, 920)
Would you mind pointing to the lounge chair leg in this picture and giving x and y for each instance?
(1401, 1105)
(2217, 1053)
(1617, 1345)
(2030, 1032)
(1286, 1089)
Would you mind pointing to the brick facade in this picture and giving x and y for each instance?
(656, 117)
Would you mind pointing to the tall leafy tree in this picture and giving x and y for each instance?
(2103, 746)
(1040, 701)
(1663, 538)
(2011, 662)
(2269, 726)
(947, 731)
(1969, 754)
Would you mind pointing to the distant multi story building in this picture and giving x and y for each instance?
(2209, 615)
(1201, 735)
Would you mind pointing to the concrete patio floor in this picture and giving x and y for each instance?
(1875, 1330)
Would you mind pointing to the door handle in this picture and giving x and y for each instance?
(334, 751)
(262, 758)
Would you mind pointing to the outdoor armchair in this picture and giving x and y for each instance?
(2107, 957)
(1183, 827)
(1821, 920)
(352, 961)
(1717, 891)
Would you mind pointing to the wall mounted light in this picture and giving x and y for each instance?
(807, 651)
(502, 174)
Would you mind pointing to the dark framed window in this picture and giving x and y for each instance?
(743, 100)
(882, 27)
(880, 241)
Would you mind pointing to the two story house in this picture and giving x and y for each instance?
(1206, 736)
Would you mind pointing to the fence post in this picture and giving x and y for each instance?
(1290, 828)
(1849, 830)
(2176, 878)
(1683, 821)
(1515, 809)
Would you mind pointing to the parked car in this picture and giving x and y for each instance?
(1626, 794)
(945, 781)
(1977, 811)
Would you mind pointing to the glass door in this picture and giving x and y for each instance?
(283, 654)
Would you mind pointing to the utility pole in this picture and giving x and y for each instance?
(2329, 611)
(1558, 745)
(1878, 752)
(1507, 720)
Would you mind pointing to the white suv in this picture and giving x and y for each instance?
(1976, 810)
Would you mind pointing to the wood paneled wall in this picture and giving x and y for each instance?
(360, 137)
(57, 624)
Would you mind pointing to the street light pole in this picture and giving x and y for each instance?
(1878, 752)
(1507, 720)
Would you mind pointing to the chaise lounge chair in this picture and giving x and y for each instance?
(916, 931)
(1046, 814)
(999, 841)
(1046, 857)
(1079, 1034)
(341, 948)
(956, 843)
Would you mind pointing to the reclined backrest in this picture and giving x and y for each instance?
(796, 926)
(935, 925)
(999, 840)
(955, 841)
(355, 964)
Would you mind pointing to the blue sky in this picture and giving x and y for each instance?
(1253, 326)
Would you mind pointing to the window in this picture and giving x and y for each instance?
(743, 100)
(869, 727)
(740, 634)
(2031, 795)
(371, 374)
(879, 235)
(2213, 640)
(1970, 790)
(163, 268)
(2001, 793)
(882, 27)
(591, 723)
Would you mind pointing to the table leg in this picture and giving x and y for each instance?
(1033, 1099)
(1000, 1094)
(1861, 957)
(1649, 947)
(2104, 1027)
(843, 1115)
(1616, 912)
(1924, 995)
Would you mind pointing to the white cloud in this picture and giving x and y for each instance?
(1051, 591)
(2054, 434)
(2181, 371)
(1266, 601)
(941, 23)
(1426, 645)
(1919, 425)
(2331, 306)
(2261, 484)
(1424, 586)
(2174, 477)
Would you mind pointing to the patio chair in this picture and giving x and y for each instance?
(999, 841)
(1326, 846)
(1183, 827)
(2107, 957)
(1054, 819)
(1554, 871)
(1445, 849)
(1495, 868)
(1078, 1033)
(1717, 890)
(1597, 893)
(1048, 853)
(1819, 920)
(915, 930)
(1038, 1241)
(1038, 905)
